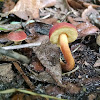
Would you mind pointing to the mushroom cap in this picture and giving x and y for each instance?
(17, 36)
(98, 40)
(65, 28)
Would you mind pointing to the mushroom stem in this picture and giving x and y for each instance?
(63, 41)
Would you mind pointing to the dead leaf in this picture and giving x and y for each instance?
(89, 31)
(19, 96)
(49, 56)
(61, 5)
(92, 96)
(84, 28)
(87, 12)
(8, 5)
(76, 4)
(72, 21)
(43, 77)
(37, 27)
(3, 38)
(49, 21)
(22, 96)
(30, 9)
(54, 90)
(72, 88)
(89, 4)
(97, 63)
(80, 4)
(6, 73)
(36, 65)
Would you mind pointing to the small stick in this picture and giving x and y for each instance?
(15, 55)
(27, 80)
(21, 46)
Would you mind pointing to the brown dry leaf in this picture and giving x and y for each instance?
(18, 96)
(61, 5)
(72, 88)
(87, 12)
(49, 21)
(30, 9)
(72, 21)
(3, 38)
(89, 31)
(49, 56)
(80, 4)
(92, 96)
(84, 29)
(36, 65)
(88, 4)
(76, 4)
(22, 96)
(97, 63)
(6, 73)
(8, 5)
(53, 90)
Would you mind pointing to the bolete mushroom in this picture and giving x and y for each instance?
(62, 34)
(17, 36)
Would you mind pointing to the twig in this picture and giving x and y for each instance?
(27, 80)
(68, 73)
(21, 46)
(15, 55)
(29, 92)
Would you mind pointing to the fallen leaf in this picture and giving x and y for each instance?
(49, 56)
(36, 65)
(84, 28)
(97, 63)
(80, 4)
(87, 12)
(30, 9)
(9, 27)
(8, 5)
(89, 31)
(49, 21)
(92, 96)
(19, 96)
(6, 73)
(43, 77)
(76, 4)
(3, 38)
(89, 4)
(60, 4)
(72, 88)
(40, 27)
(54, 90)
(23, 96)
(95, 20)
(72, 21)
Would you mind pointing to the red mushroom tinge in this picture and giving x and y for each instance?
(17, 36)
(62, 34)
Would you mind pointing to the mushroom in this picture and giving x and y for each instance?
(98, 41)
(62, 34)
(17, 36)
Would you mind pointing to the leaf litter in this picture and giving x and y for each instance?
(41, 71)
